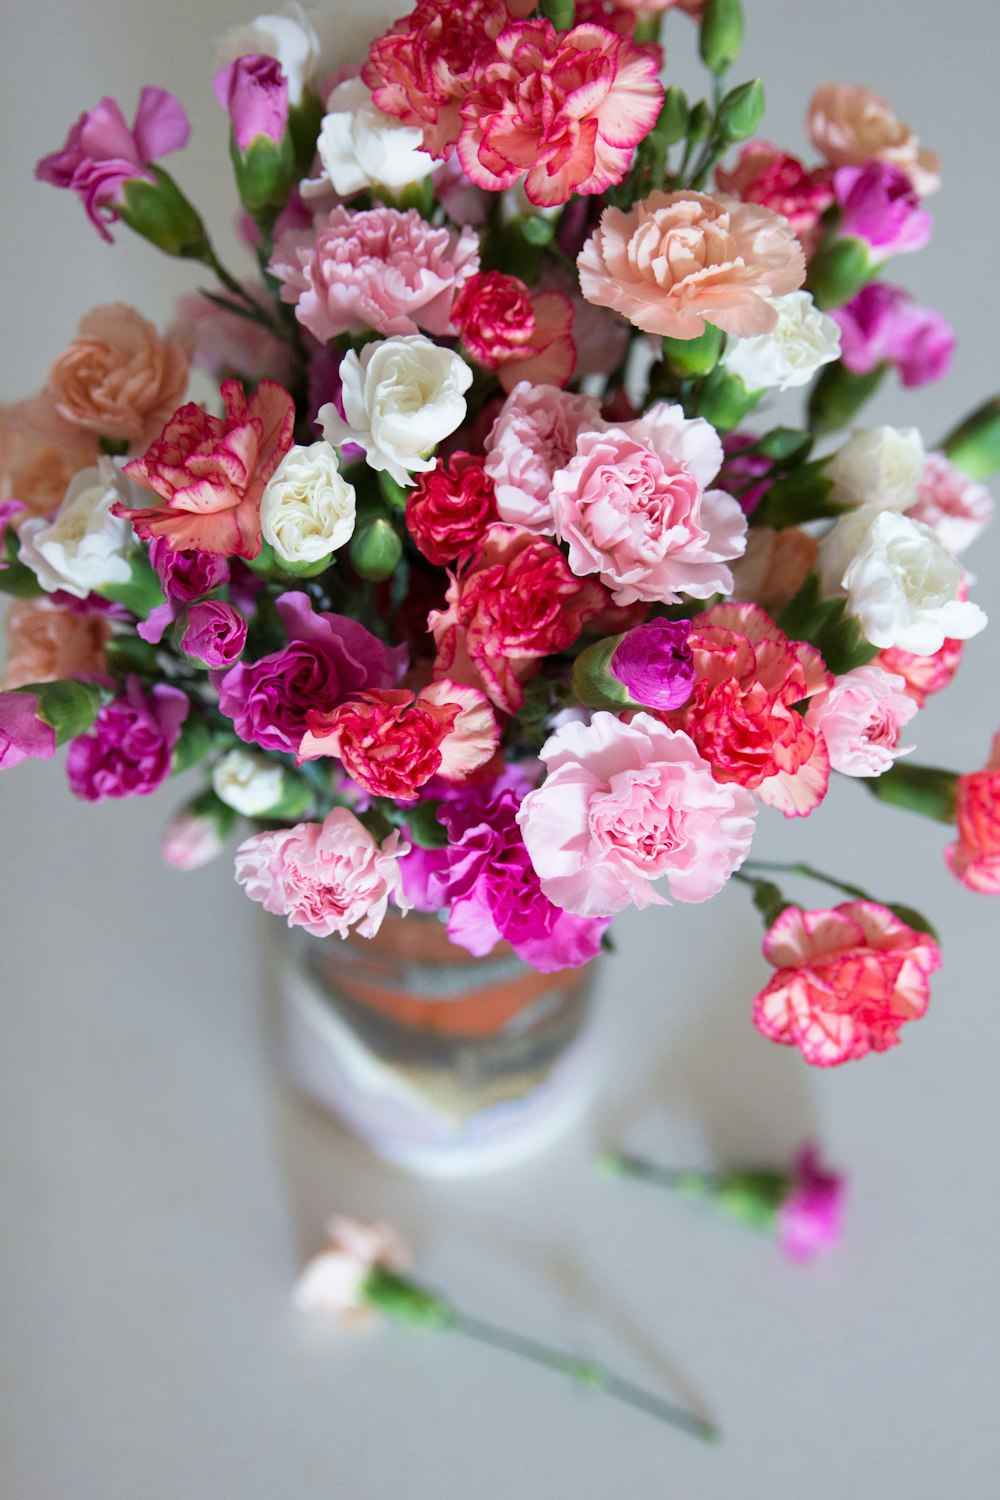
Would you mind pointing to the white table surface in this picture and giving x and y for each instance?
(161, 1187)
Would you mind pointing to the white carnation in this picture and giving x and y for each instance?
(307, 510)
(401, 397)
(84, 547)
(802, 340)
(903, 587)
(360, 147)
(288, 35)
(249, 784)
(879, 467)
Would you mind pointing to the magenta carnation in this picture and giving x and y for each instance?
(379, 268)
(128, 751)
(214, 633)
(878, 204)
(810, 1218)
(655, 664)
(23, 736)
(101, 154)
(328, 657)
(883, 325)
(254, 91)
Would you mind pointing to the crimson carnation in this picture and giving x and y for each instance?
(421, 70)
(505, 329)
(778, 181)
(515, 602)
(742, 714)
(450, 507)
(563, 110)
(389, 742)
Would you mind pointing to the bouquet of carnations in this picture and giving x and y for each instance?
(484, 585)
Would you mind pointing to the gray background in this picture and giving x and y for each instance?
(160, 1185)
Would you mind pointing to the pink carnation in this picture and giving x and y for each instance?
(633, 506)
(623, 805)
(534, 435)
(378, 268)
(923, 675)
(514, 602)
(210, 472)
(847, 980)
(676, 261)
(954, 506)
(974, 857)
(190, 840)
(507, 330)
(860, 718)
(326, 877)
(562, 110)
(850, 125)
(742, 714)
(778, 181)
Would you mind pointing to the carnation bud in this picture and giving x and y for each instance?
(839, 394)
(672, 121)
(721, 35)
(562, 13)
(838, 271)
(741, 111)
(725, 401)
(974, 446)
(694, 356)
(650, 666)
(69, 708)
(254, 90)
(160, 212)
(699, 123)
(405, 1300)
(197, 832)
(376, 549)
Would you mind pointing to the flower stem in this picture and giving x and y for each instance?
(810, 874)
(588, 1373)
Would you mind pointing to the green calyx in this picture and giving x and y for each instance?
(160, 212)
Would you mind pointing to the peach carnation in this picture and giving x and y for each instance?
(46, 642)
(676, 261)
(851, 125)
(562, 110)
(742, 713)
(35, 470)
(847, 980)
(974, 857)
(378, 268)
(118, 380)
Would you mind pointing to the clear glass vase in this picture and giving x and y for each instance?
(441, 1062)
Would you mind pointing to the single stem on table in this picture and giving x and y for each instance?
(588, 1373)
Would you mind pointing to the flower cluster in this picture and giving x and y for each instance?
(486, 587)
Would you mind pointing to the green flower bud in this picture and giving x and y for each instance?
(69, 708)
(160, 212)
(721, 35)
(837, 271)
(696, 356)
(741, 111)
(593, 681)
(839, 395)
(562, 13)
(725, 400)
(376, 549)
(974, 446)
(672, 121)
(699, 123)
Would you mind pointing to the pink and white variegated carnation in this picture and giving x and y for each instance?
(634, 506)
(958, 509)
(625, 805)
(327, 877)
(860, 717)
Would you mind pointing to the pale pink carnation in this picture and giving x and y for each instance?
(378, 268)
(333, 1283)
(534, 435)
(633, 506)
(326, 877)
(860, 718)
(624, 805)
(676, 261)
(562, 110)
(954, 506)
(190, 840)
(850, 125)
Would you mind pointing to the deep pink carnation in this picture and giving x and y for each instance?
(211, 472)
(507, 330)
(326, 877)
(184, 577)
(883, 325)
(534, 435)
(254, 92)
(923, 675)
(328, 657)
(378, 268)
(493, 893)
(745, 476)
(878, 204)
(128, 751)
(624, 805)
(423, 68)
(810, 1218)
(655, 664)
(562, 110)
(23, 735)
(101, 154)
(778, 181)
(449, 508)
(213, 633)
(846, 981)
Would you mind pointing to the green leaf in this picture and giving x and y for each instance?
(974, 446)
(914, 919)
(785, 445)
(143, 591)
(193, 744)
(928, 790)
(422, 825)
(19, 581)
(839, 395)
(803, 495)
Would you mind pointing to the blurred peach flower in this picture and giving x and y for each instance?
(850, 125)
(34, 470)
(46, 642)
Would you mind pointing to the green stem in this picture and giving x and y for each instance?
(810, 874)
(587, 1373)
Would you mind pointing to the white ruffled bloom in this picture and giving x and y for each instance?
(249, 784)
(903, 588)
(402, 397)
(879, 467)
(803, 340)
(288, 35)
(84, 547)
(360, 147)
(308, 509)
